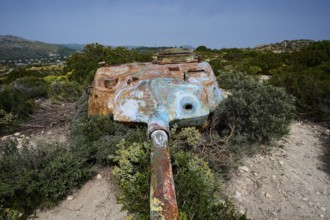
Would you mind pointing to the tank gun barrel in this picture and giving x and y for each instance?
(163, 203)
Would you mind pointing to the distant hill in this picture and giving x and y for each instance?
(77, 47)
(155, 49)
(17, 48)
(285, 46)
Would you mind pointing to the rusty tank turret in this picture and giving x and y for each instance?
(176, 88)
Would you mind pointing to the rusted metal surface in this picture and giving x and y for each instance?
(175, 88)
(162, 194)
(175, 55)
(188, 92)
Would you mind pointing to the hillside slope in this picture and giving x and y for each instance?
(285, 46)
(17, 48)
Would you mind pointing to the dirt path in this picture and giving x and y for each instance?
(291, 183)
(95, 200)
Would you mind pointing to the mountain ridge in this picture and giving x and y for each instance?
(18, 48)
(285, 46)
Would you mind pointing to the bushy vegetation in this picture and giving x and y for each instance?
(198, 189)
(133, 175)
(17, 98)
(84, 64)
(64, 90)
(196, 186)
(304, 73)
(308, 79)
(31, 87)
(40, 177)
(26, 72)
(311, 87)
(13, 105)
(255, 112)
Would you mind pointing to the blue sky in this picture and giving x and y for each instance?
(214, 23)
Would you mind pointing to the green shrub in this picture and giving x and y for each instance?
(310, 86)
(188, 138)
(255, 112)
(237, 80)
(198, 190)
(5, 118)
(31, 178)
(96, 137)
(96, 126)
(40, 177)
(84, 65)
(31, 87)
(133, 175)
(64, 90)
(303, 73)
(9, 214)
(22, 72)
(52, 78)
(14, 102)
(100, 137)
(14, 106)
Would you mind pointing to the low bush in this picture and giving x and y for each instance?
(22, 72)
(97, 137)
(17, 98)
(302, 70)
(14, 103)
(83, 65)
(133, 175)
(94, 138)
(310, 86)
(96, 126)
(5, 118)
(40, 177)
(31, 87)
(254, 114)
(64, 90)
(52, 78)
(197, 188)
(187, 139)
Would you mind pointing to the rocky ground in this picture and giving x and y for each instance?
(291, 182)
